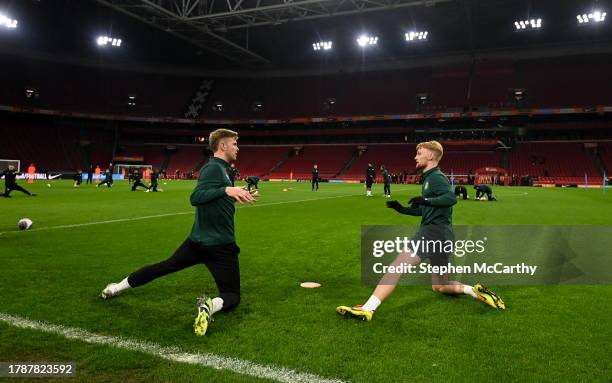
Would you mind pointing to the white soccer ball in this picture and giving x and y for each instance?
(24, 224)
(48, 185)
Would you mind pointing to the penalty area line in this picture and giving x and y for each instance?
(174, 354)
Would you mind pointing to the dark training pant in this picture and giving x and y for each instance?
(136, 184)
(9, 188)
(253, 184)
(221, 261)
(387, 189)
(315, 184)
(108, 183)
(462, 193)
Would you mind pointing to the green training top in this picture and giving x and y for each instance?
(214, 218)
(437, 190)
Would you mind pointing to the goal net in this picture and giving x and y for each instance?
(126, 169)
(4, 164)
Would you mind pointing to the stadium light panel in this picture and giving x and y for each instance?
(323, 45)
(105, 40)
(593, 17)
(521, 25)
(365, 40)
(416, 36)
(7, 22)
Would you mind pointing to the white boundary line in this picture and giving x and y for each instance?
(174, 354)
(169, 215)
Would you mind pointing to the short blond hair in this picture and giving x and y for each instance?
(217, 135)
(433, 146)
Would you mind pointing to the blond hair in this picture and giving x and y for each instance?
(433, 146)
(217, 135)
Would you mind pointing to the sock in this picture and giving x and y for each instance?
(372, 304)
(469, 290)
(217, 304)
(123, 285)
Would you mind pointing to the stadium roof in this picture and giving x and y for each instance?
(278, 35)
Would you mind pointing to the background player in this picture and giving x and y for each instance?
(387, 181)
(137, 179)
(154, 178)
(252, 181)
(10, 183)
(233, 173)
(370, 176)
(460, 190)
(315, 177)
(108, 179)
(78, 178)
(482, 189)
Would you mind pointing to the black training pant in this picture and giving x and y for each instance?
(462, 193)
(108, 183)
(221, 261)
(138, 183)
(9, 188)
(315, 184)
(387, 188)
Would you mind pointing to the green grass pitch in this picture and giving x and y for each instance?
(55, 273)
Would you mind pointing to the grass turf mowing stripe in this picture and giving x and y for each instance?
(169, 215)
(240, 366)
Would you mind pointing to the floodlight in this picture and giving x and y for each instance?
(7, 22)
(365, 40)
(323, 45)
(412, 36)
(595, 17)
(521, 25)
(105, 40)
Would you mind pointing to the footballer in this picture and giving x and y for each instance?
(435, 207)
(211, 241)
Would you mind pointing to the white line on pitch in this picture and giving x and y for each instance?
(169, 215)
(236, 365)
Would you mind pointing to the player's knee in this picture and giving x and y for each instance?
(437, 288)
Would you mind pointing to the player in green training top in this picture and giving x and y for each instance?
(211, 241)
(435, 209)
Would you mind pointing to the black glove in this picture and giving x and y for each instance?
(394, 205)
(418, 201)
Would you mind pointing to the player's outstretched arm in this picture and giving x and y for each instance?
(239, 194)
(414, 211)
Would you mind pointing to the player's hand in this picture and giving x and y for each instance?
(394, 205)
(418, 201)
(239, 194)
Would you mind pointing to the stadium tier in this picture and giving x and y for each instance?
(330, 161)
(605, 153)
(54, 145)
(551, 159)
(457, 87)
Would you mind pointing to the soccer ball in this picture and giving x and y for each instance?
(24, 224)
(48, 185)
